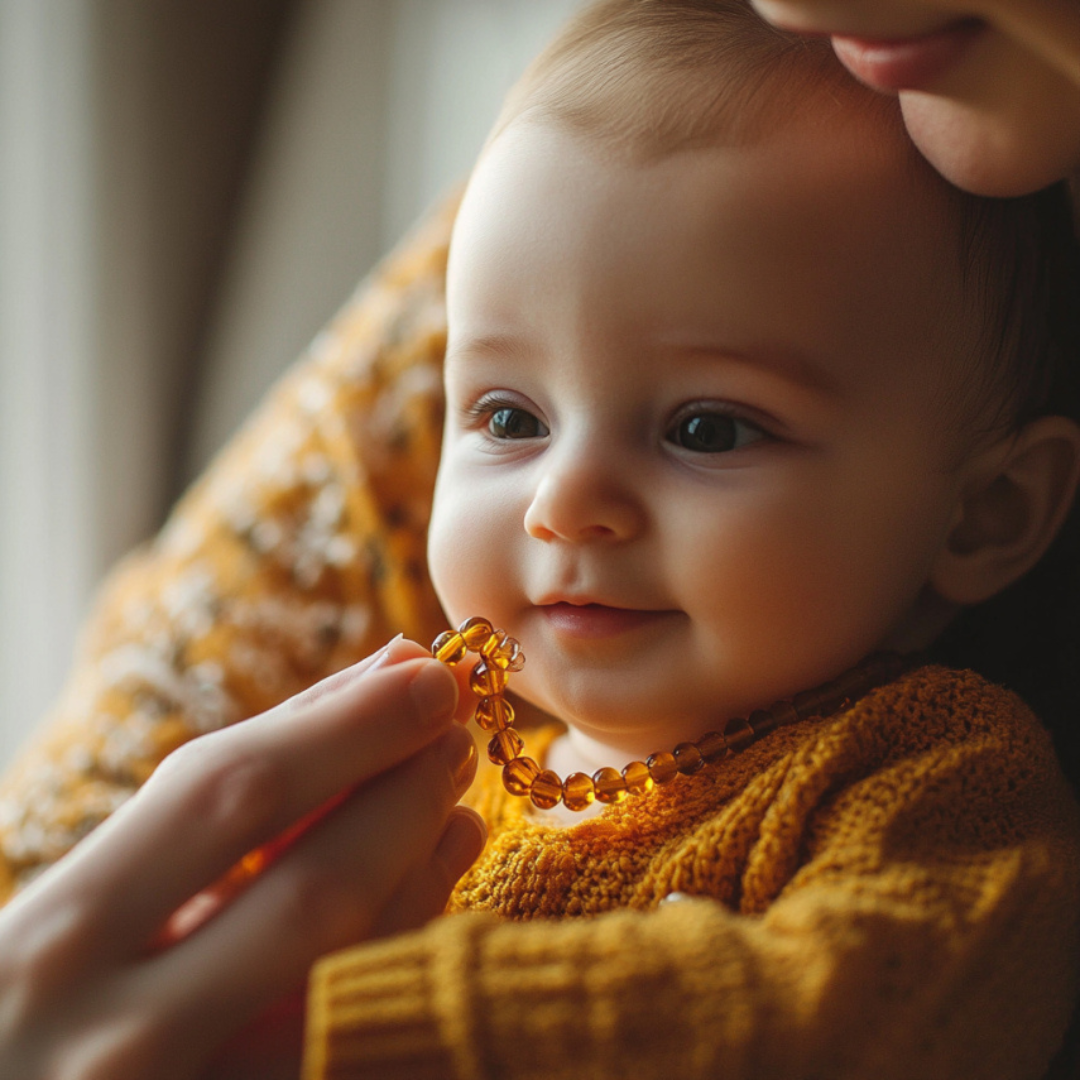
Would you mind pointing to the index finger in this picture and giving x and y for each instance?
(223, 795)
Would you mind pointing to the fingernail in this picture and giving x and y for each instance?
(462, 842)
(460, 753)
(385, 655)
(434, 692)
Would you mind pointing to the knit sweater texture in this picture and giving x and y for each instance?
(889, 892)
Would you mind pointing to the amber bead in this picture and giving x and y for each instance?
(814, 702)
(662, 767)
(688, 758)
(505, 746)
(578, 791)
(761, 722)
(502, 651)
(738, 734)
(494, 713)
(486, 679)
(519, 774)
(784, 713)
(490, 648)
(712, 746)
(886, 666)
(449, 647)
(638, 780)
(475, 631)
(609, 784)
(849, 687)
(546, 790)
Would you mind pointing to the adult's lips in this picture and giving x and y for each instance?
(910, 63)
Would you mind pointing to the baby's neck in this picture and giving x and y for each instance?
(574, 752)
(578, 751)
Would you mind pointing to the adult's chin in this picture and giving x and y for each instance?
(986, 152)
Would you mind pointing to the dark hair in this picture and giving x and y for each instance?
(1028, 636)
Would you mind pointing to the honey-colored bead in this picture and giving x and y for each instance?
(486, 679)
(688, 758)
(662, 767)
(784, 713)
(886, 666)
(849, 687)
(494, 713)
(761, 722)
(502, 651)
(638, 780)
(546, 790)
(816, 702)
(449, 647)
(712, 746)
(519, 774)
(505, 746)
(610, 786)
(578, 792)
(490, 647)
(475, 631)
(738, 734)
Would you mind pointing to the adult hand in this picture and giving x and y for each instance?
(110, 969)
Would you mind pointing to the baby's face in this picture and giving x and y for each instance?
(697, 453)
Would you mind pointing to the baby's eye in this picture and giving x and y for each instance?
(508, 422)
(713, 433)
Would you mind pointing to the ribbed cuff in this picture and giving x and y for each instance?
(395, 1008)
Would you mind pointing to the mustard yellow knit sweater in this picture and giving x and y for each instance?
(893, 892)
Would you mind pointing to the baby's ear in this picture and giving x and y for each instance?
(1017, 495)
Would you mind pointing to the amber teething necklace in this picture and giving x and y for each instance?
(500, 654)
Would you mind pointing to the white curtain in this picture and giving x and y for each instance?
(376, 107)
(49, 547)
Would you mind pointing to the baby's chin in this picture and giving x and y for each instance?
(638, 724)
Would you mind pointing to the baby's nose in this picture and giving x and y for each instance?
(583, 499)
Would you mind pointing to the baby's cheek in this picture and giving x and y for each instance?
(463, 557)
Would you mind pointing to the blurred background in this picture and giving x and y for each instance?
(189, 189)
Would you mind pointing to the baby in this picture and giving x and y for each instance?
(738, 393)
(722, 413)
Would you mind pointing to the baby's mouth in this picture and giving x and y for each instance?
(592, 620)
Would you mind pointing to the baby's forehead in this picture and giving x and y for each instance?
(647, 83)
(808, 239)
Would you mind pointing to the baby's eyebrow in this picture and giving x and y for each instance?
(789, 363)
(490, 346)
